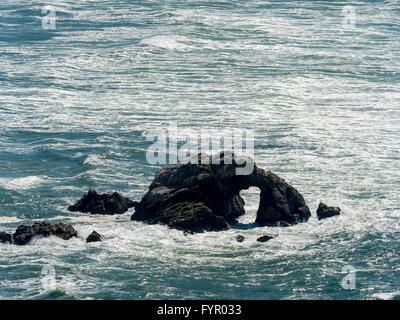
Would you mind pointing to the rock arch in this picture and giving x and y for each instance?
(199, 196)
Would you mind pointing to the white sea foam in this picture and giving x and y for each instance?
(24, 183)
(9, 219)
(167, 42)
(323, 103)
(387, 295)
(92, 159)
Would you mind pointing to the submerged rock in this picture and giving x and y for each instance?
(239, 238)
(264, 238)
(24, 234)
(6, 238)
(94, 237)
(324, 211)
(204, 195)
(102, 204)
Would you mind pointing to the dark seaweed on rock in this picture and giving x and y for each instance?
(195, 196)
(102, 204)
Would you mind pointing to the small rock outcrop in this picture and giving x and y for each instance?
(94, 237)
(204, 195)
(324, 211)
(24, 234)
(239, 238)
(102, 204)
(6, 238)
(264, 238)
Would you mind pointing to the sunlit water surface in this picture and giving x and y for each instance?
(321, 96)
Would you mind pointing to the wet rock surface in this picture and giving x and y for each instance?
(95, 203)
(24, 234)
(204, 195)
(6, 238)
(324, 211)
(264, 238)
(94, 237)
(239, 238)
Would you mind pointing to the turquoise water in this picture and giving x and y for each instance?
(321, 94)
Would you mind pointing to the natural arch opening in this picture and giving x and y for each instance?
(197, 197)
(251, 197)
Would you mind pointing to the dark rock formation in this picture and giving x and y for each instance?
(94, 237)
(6, 238)
(102, 204)
(264, 238)
(324, 211)
(191, 215)
(239, 238)
(24, 234)
(204, 195)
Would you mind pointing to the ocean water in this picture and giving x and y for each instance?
(317, 81)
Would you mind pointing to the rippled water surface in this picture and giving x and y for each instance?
(322, 96)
